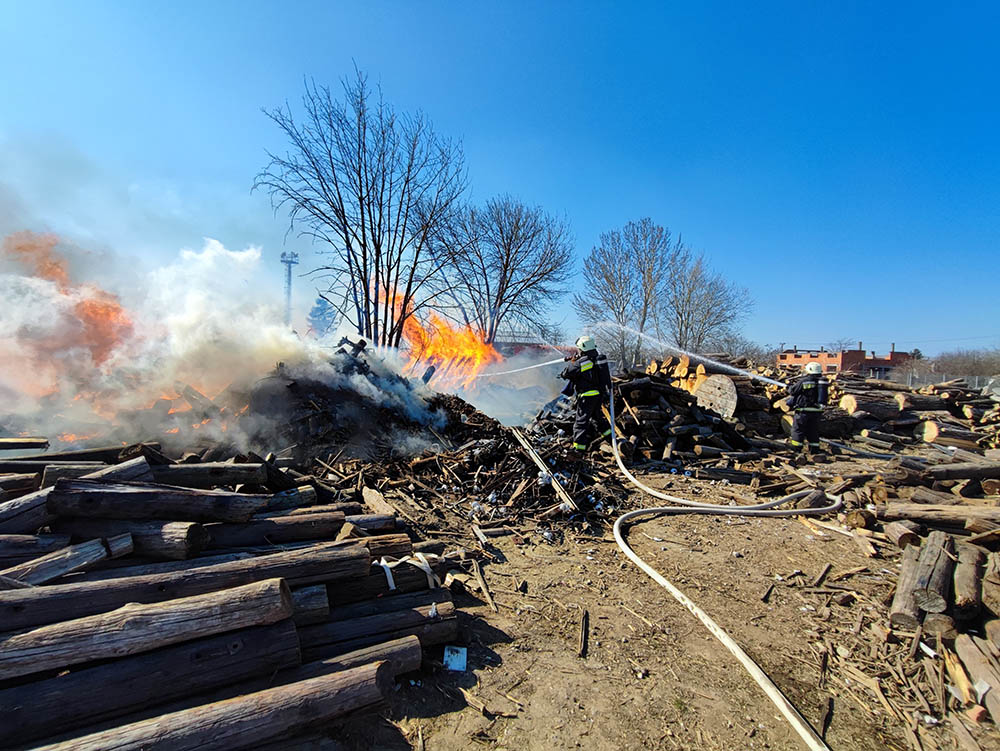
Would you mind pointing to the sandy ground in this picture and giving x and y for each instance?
(653, 676)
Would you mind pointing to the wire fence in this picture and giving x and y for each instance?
(926, 379)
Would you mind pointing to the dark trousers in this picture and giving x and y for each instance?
(589, 414)
(805, 429)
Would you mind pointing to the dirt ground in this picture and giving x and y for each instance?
(653, 676)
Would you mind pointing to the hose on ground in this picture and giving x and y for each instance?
(685, 506)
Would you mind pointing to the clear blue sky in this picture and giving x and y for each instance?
(839, 160)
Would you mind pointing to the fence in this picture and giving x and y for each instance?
(926, 379)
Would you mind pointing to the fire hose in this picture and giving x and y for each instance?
(684, 506)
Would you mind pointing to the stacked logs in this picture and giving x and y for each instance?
(946, 414)
(205, 605)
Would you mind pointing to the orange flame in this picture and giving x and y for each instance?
(73, 437)
(104, 323)
(457, 352)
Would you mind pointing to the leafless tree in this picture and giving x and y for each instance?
(841, 344)
(699, 304)
(372, 185)
(509, 263)
(737, 345)
(624, 277)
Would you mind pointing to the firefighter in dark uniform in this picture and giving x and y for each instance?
(807, 397)
(589, 379)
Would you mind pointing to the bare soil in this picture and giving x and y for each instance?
(653, 676)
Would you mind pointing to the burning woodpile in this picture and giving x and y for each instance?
(151, 588)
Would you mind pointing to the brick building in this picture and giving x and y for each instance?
(854, 360)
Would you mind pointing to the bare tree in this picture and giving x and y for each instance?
(624, 276)
(373, 185)
(841, 344)
(699, 304)
(737, 345)
(509, 263)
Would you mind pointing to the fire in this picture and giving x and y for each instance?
(458, 352)
(104, 324)
(73, 437)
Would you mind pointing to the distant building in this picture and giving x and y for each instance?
(853, 360)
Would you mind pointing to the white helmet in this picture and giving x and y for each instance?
(586, 344)
(814, 368)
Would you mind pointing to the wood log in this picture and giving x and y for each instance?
(940, 625)
(879, 404)
(925, 495)
(815, 499)
(328, 639)
(25, 515)
(968, 580)
(67, 560)
(980, 668)
(322, 563)
(990, 486)
(390, 546)
(144, 567)
(381, 605)
(8, 444)
(115, 500)
(247, 721)
(104, 455)
(275, 530)
(90, 695)
(310, 605)
(903, 612)
(860, 518)
(930, 514)
(136, 628)
(887, 437)
(20, 482)
(210, 474)
(978, 526)
(295, 499)
(919, 402)
(19, 548)
(155, 539)
(348, 508)
(946, 435)
(404, 655)
(719, 394)
(964, 471)
(901, 535)
(406, 578)
(372, 522)
(38, 466)
(934, 573)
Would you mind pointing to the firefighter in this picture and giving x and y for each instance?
(589, 379)
(807, 397)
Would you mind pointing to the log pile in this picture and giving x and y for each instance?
(203, 605)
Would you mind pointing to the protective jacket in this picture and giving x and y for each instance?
(809, 393)
(588, 375)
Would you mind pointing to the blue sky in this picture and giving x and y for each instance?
(839, 160)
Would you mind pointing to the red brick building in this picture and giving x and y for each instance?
(854, 360)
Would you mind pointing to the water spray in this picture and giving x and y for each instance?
(518, 370)
(680, 350)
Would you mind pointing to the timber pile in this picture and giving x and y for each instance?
(218, 605)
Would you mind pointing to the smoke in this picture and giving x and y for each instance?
(515, 398)
(81, 360)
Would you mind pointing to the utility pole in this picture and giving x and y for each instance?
(289, 259)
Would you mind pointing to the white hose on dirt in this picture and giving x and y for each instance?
(684, 506)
